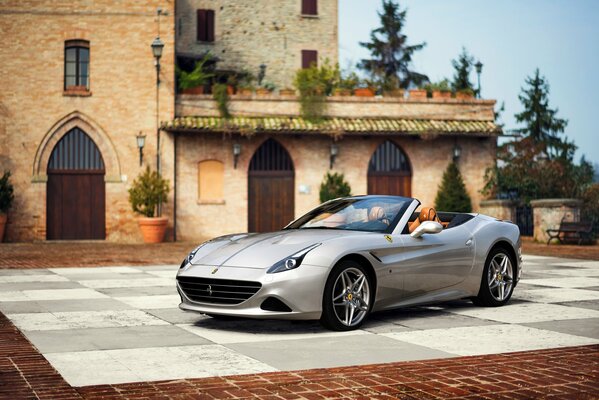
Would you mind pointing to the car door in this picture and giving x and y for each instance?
(436, 261)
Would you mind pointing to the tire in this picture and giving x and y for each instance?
(498, 280)
(340, 305)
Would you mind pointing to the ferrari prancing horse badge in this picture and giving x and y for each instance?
(389, 238)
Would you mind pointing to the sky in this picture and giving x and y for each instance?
(511, 38)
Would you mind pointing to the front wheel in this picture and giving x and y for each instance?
(348, 297)
(497, 283)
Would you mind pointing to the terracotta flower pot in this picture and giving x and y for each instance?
(245, 91)
(2, 225)
(262, 91)
(193, 90)
(152, 229)
(437, 94)
(393, 93)
(286, 92)
(464, 95)
(341, 92)
(230, 90)
(417, 94)
(363, 92)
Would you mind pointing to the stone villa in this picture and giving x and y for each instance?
(80, 88)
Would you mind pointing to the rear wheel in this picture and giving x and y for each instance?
(497, 283)
(348, 297)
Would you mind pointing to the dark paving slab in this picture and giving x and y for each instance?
(129, 337)
(580, 327)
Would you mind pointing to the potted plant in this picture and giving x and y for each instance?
(464, 94)
(347, 83)
(265, 89)
(245, 86)
(193, 82)
(390, 87)
(220, 93)
(439, 90)
(6, 199)
(148, 191)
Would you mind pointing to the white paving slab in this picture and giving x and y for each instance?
(490, 339)
(83, 319)
(51, 294)
(574, 272)
(570, 282)
(556, 295)
(148, 364)
(163, 274)
(526, 313)
(151, 302)
(94, 270)
(124, 283)
(32, 278)
(227, 336)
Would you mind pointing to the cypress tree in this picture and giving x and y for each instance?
(452, 195)
(463, 68)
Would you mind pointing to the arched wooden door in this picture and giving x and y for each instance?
(75, 202)
(270, 188)
(389, 171)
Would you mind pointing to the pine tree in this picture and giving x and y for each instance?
(463, 68)
(391, 55)
(334, 186)
(541, 124)
(452, 195)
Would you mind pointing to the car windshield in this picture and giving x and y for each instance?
(368, 214)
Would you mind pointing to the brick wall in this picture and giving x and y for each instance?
(253, 32)
(428, 157)
(33, 108)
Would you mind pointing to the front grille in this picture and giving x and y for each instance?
(217, 291)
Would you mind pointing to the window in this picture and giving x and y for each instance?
(309, 57)
(76, 65)
(309, 7)
(205, 25)
(211, 176)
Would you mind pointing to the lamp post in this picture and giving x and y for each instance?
(479, 68)
(157, 46)
(333, 153)
(141, 142)
(457, 152)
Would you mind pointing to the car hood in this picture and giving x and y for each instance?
(251, 250)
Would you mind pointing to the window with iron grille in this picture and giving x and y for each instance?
(76, 65)
(205, 25)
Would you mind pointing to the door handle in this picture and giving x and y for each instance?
(468, 242)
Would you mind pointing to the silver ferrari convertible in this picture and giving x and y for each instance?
(353, 256)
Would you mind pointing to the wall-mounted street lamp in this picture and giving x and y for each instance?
(261, 73)
(236, 153)
(334, 153)
(457, 152)
(479, 68)
(141, 142)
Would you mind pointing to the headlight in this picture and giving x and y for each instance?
(191, 255)
(292, 261)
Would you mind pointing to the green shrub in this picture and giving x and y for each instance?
(452, 195)
(198, 77)
(221, 96)
(313, 85)
(334, 186)
(6, 193)
(148, 190)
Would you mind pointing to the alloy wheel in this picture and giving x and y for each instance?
(351, 296)
(500, 277)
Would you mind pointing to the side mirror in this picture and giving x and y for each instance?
(427, 227)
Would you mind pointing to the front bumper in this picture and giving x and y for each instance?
(300, 289)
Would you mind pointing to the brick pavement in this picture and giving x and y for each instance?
(566, 373)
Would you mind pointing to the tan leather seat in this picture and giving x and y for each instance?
(426, 214)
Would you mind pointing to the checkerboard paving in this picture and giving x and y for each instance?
(122, 324)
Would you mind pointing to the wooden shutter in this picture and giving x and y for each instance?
(309, 57)
(211, 177)
(205, 27)
(309, 7)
